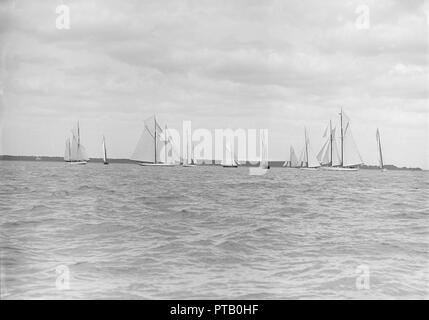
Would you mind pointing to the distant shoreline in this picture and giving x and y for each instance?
(212, 162)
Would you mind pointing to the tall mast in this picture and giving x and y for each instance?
(192, 151)
(104, 149)
(290, 157)
(187, 147)
(342, 138)
(165, 143)
(154, 137)
(331, 138)
(379, 146)
(78, 135)
(306, 146)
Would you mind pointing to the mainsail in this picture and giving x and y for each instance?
(264, 152)
(75, 152)
(328, 155)
(228, 159)
(380, 154)
(104, 151)
(307, 158)
(293, 160)
(350, 153)
(189, 157)
(149, 146)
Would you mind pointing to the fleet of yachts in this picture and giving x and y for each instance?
(157, 148)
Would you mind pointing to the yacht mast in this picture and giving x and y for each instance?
(154, 137)
(331, 138)
(342, 138)
(306, 146)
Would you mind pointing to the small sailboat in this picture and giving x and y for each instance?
(293, 160)
(149, 147)
(264, 164)
(308, 160)
(75, 152)
(189, 160)
(348, 159)
(229, 159)
(380, 153)
(104, 152)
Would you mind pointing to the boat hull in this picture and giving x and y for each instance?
(230, 166)
(156, 164)
(189, 165)
(78, 162)
(309, 169)
(338, 169)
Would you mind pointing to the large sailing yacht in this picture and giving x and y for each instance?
(348, 157)
(149, 147)
(75, 152)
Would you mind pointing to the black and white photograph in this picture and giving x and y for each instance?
(214, 150)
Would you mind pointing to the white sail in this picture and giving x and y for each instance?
(263, 163)
(149, 146)
(77, 150)
(170, 154)
(82, 155)
(302, 161)
(380, 154)
(293, 158)
(326, 156)
(228, 159)
(351, 155)
(336, 159)
(104, 150)
(321, 156)
(74, 150)
(310, 159)
(67, 151)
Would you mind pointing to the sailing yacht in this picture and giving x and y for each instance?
(229, 159)
(149, 146)
(307, 160)
(380, 154)
(348, 159)
(189, 160)
(264, 164)
(293, 160)
(104, 152)
(328, 156)
(75, 152)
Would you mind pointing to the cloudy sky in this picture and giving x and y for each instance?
(273, 64)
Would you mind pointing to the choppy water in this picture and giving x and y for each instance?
(125, 231)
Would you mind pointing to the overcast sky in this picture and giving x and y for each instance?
(280, 65)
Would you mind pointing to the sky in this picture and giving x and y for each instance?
(279, 65)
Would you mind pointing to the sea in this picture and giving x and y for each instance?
(123, 231)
